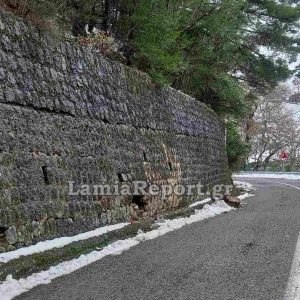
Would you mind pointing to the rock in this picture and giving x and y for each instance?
(123, 177)
(64, 64)
(22, 233)
(155, 226)
(2, 27)
(11, 235)
(108, 214)
(28, 243)
(2, 74)
(103, 219)
(11, 248)
(36, 229)
(232, 201)
(9, 95)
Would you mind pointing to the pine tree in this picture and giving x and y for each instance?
(207, 48)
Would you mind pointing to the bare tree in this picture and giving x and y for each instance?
(273, 129)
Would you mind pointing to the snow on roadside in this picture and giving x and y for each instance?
(248, 187)
(12, 288)
(244, 185)
(246, 195)
(57, 243)
(268, 175)
(205, 201)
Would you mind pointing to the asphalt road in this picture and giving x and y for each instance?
(244, 254)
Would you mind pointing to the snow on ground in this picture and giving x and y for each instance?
(291, 176)
(244, 185)
(205, 201)
(12, 288)
(246, 195)
(57, 243)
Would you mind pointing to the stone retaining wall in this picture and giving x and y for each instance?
(67, 114)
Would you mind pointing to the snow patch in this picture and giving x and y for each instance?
(12, 287)
(292, 176)
(205, 201)
(244, 185)
(58, 242)
(246, 195)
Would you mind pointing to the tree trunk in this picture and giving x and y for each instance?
(106, 17)
(257, 165)
(267, 159)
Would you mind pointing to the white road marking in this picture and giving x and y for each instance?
(293, 287)
(290, 185)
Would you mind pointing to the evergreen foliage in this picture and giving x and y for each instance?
(237, 149)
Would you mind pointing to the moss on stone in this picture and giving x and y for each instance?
(7, 159)
(103, 163)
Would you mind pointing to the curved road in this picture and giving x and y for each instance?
(244, 254)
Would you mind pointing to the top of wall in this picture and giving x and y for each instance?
(40, 72)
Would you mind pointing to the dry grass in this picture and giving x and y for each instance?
(21, 8)
(106, 44)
